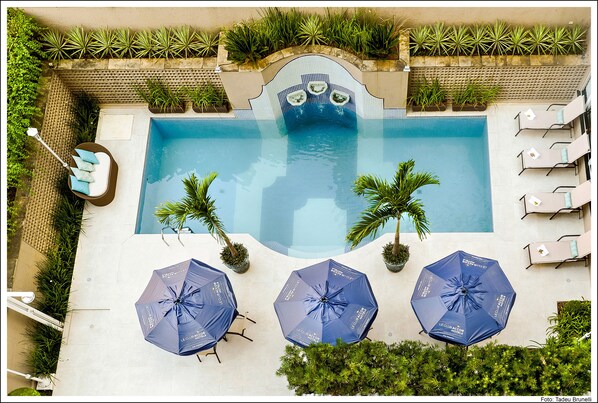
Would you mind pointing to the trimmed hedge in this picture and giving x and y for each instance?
(412, 368)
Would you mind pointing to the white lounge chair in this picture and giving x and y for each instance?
(547, 120)
(560, 251)
(558, 202)
(549, 158)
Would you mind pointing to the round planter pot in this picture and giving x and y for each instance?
(394, 267)
(239, 268)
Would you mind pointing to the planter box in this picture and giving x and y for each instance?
(469, 108)
(429, 108)
(170, 109)
(211, 109)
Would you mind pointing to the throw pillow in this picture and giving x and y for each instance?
(81, 175)
(79, 186)
(87, 156)
(82, 165)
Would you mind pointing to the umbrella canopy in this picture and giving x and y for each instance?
(186, 307)
(462, 299)
(326, 301)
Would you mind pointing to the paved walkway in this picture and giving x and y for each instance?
(104, 352)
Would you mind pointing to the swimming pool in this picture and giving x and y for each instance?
(288, 183)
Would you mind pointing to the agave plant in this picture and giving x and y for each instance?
(143, 44)
(419, 40)
(539, 39)
(438, 40)
(54, 44)
(558, 44)
(576, 37)
(243, 43)
(311, 31)
(102, 43)
(460, 41)
(479, 39)
(499, 38)
(519, 38)
(124, 43)
(78, 42)
(163, 43)
(207, 44)
(183, 41)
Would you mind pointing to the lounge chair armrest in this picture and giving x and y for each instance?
(516, 116)
(559, 187)
(560, 142)
(519, 155)
(565, 236)
(550, 106)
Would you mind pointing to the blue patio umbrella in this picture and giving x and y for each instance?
(186, 307)
(462, 299)
(326, 301)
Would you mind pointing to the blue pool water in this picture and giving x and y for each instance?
(289, 183)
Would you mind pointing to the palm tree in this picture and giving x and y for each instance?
(196, 205)
(391, 201)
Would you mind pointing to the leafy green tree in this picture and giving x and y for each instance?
(196, 205)
(391, 200)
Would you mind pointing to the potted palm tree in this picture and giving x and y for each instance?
(392, 200)
(198, 205)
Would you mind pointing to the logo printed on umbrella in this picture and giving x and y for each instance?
(200, 334)
(454, 329)
(341, 273)
(500, 301)
(468, 262)
(358, 317)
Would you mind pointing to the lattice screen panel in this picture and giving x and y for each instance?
(37, 227)
(116, 86)
(518, 83)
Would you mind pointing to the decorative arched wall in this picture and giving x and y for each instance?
(296, 74)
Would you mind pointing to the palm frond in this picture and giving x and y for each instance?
(368, 225)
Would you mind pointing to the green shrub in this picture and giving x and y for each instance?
(475, 93)
(245, 42)
(86, 112)
(414, 368)
(427, 93)
(23, 71)
(24, 392)
(573, 321)
(157, 94)
(206, 94)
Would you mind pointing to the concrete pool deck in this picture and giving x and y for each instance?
(104, 353)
